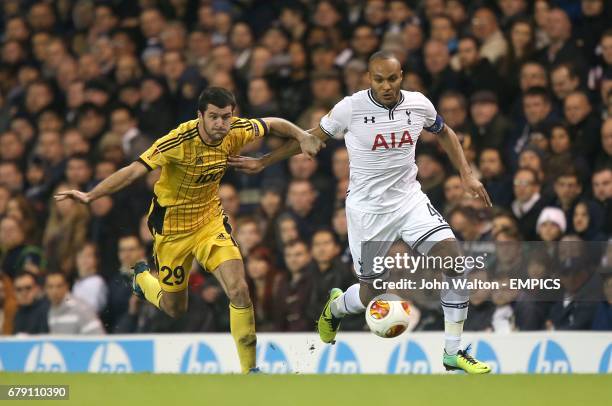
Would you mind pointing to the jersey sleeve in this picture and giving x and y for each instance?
(335, 124)
(433, 121)
(246, 130)
(164, 150)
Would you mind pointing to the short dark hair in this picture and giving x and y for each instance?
(326, 230)
(381, 55)
(470, 37)
(28, 274)
(538, 91)
(569, 172)
(57, 273)
(296, 242)
(217, 96)
(571, 69)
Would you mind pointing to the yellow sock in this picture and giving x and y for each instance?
(242, 326)
(150, 286)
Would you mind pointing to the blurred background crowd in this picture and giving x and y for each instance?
(87, 85)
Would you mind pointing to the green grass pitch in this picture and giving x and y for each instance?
(314, 390)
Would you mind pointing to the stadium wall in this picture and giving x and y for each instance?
(540, 352)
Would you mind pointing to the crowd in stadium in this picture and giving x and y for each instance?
(86, 86)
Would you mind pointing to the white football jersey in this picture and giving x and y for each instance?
(381, 143)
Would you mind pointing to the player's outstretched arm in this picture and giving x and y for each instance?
(288, 149)
(449, 141)
(115, 182)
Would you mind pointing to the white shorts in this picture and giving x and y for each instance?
(419, 225)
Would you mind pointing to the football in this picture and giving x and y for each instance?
(388, 315)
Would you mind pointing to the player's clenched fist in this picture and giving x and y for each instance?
(310, 144)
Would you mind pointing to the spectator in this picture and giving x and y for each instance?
(32, 307)
(485, 27)
(65, 233)
(564, 80)
(68, 315)
(533, 305)
(481, 308)
(521, 48)
(328, 270)
(90, 287)
(131, 250)
(588, 221)
(8, 305)
(603, 313)
(495, 177)
(248, 235)
(551, 224)
(431, 174)
(230, 200)
(568, 187)
(125, 125)
(581, 285)
(12, 148)
(301, 198)
(78, 172)
(584, 123)
(17, 256)
(454, 108)
(490, 128)
(562, 48)
(605, 155)
(262, 279)
(537, 109)
(528, 202)
(292, 295)
(11, 177)
(476, 73)
(440, 77)
(562, 153)
(21, 210)
(602, 192)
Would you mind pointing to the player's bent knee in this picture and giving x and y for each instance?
(174, 306)
(448, 248)
(238, 293)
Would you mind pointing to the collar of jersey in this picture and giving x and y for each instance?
(389, 109)
(373, 100)
(204, 142)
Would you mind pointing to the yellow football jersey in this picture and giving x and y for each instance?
(186, 194)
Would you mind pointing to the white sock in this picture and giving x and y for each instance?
(455, 306)
(452, 336)
(348, 303)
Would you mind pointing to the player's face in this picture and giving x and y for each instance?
(216, 121)
(386, 79)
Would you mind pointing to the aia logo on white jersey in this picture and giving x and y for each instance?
(381, 142)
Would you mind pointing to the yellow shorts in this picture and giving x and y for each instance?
(210, 245)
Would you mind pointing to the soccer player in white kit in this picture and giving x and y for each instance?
(380, 127)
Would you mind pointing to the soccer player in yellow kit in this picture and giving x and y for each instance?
(186, 217)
